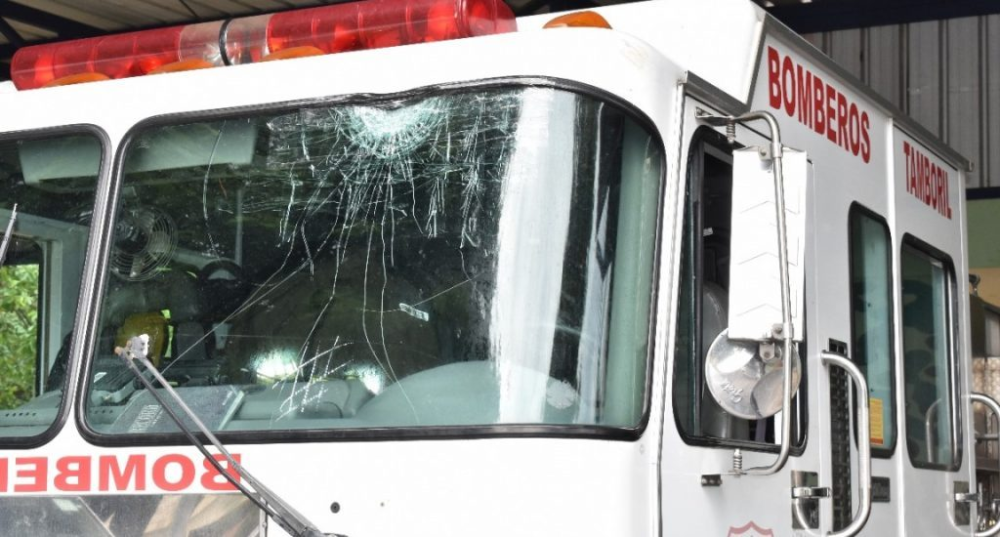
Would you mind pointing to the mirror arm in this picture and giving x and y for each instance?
(785, 331)
(994, 407)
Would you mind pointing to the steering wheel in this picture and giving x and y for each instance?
(222, 295)
(225, 266)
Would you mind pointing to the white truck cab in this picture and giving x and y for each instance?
(440, 271)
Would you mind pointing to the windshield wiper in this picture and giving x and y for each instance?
(7, 235)
(288, 518)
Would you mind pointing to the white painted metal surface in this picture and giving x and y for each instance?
(549, 483)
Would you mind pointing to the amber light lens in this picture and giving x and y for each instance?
(580, 19)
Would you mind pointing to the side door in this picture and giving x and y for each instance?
(871, 328)
(701, 495)
(932, 341)
(850, 313)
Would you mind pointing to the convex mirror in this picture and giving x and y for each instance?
(744, 367)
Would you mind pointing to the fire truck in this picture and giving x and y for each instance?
(424, 268)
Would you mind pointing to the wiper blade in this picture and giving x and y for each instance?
(289, 519)
(7, 235)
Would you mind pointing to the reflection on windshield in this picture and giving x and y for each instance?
(51, 183)
(471, 258)
(129, 516)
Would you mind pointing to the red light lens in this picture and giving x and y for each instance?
(330, 29)
(327, 29)
(119, 55)
(115, 56)
(32, 67)
(158, 48)
(386, 23)
(434, 21)
(74, 58)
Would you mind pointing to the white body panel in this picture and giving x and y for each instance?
(548, 485)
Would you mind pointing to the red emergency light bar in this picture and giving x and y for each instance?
(305, 32)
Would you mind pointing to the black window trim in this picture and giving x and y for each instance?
(73, 367)
(856, 210)
(701, 136)
(925, 248)
(375, 434)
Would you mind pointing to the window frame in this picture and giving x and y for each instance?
(97, 225)
(705, 135)
(857, 210)
(458, 432)
(925, 249)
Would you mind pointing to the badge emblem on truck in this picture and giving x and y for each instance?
(750, 530)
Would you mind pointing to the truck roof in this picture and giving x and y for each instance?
(721, 43)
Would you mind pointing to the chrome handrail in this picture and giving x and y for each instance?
(864, 444)
(994, 407)
(929, 431)
(929, 435)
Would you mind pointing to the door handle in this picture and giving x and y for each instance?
(864, 444)
(995, 408)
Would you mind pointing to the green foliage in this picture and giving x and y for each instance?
(18, 333)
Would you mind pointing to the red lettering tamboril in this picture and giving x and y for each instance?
(926, 181)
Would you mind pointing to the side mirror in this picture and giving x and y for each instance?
(744, 368)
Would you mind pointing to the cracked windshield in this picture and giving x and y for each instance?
(50, 182)
(453, 259)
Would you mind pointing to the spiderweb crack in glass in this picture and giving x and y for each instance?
(461, 258)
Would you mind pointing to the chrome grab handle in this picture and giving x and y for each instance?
(967, 497)
(810, 493)
(995, 408)
(864, 444)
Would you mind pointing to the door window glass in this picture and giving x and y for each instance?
(703, 301)
(19, 293)
(931, 431)
(51, 182)
(871, 321)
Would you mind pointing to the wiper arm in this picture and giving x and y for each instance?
(288, 518)
(7, 235)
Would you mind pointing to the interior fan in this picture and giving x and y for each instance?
(145, 239)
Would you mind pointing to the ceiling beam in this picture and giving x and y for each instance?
(10, 33)
(66, 28)
(826, 16)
